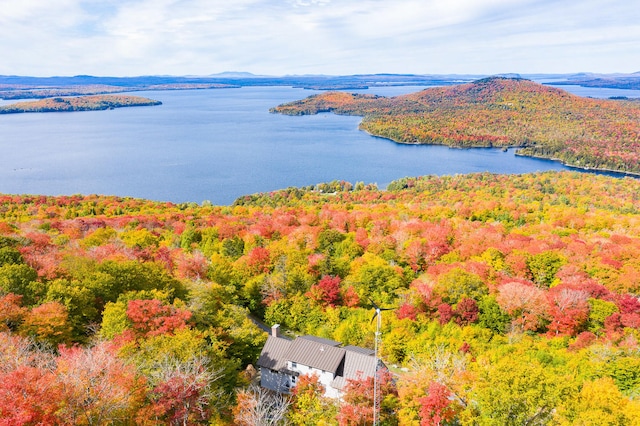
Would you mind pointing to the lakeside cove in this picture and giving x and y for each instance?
(221, 144)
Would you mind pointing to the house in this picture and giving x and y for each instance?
(283, 360)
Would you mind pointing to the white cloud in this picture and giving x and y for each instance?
(133, 37)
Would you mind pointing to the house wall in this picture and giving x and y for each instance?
(332, 392)
(325, 377)
(274, 380)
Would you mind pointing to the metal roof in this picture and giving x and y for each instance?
(358, 365)
(358, 349)
(273, 355)
(321, 340)
(321, 356)
(345, 363)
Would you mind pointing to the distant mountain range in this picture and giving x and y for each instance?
(319, 82)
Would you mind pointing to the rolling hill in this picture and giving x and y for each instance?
(498, 112)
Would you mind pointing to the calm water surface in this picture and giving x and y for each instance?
(217, 145)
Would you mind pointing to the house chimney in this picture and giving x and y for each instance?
(275, 330)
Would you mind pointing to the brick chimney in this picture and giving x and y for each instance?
(275, 330)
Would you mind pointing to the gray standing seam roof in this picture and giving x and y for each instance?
(363, 351)
(357, 365)
(345, 363)
(316, 355)
(321, 340)
(273, 355)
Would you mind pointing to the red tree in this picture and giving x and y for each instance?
(406, 310)
(28, 396)
(445, 313)
(568, 310)
(357, 401)
(152, 317)
(192, 266)
(327, 291)
(437, 407)
(11, 311)
(350, 298)
(258, 260)
(466, 311)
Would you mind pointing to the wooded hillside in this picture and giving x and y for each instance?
(78, 103)
(514, 301)
(499, 112)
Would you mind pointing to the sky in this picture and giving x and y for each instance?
(335, 37)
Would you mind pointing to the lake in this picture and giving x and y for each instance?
(218, 145)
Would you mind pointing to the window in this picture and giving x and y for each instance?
(294, 365)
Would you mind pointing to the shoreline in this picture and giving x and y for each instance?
(78, 104)
(582, 168)
(635, 175)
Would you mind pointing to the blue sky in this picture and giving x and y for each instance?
(339, 37)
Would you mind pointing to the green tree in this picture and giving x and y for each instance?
(80, 303)
(328, 240)
(599, 311)
(376, 279)
(544, 266)
(10, 256)
(189, 238)
(233, 247)
(111, 279)
(295, 313)
(458, 283)
(21, 279)
(625, 371)
(491, 316)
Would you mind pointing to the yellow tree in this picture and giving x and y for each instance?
(600, 403)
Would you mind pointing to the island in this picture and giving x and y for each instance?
(14, 91)
(78, 103)
(541, 121)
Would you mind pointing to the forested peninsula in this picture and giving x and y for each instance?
(513, 300)
(78, 103)
(542, 121)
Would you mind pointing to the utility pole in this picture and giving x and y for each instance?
(376, 383)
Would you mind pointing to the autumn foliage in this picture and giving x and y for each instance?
(498, 112)
(122, 308)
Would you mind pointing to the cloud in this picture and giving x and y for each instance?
(134, 37)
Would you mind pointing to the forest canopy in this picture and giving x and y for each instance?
(514, 301)
(498, 112)
(78, 103)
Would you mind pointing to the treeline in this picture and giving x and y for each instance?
(294, 194)
(498, 112)
(80, 103)
(514, 301)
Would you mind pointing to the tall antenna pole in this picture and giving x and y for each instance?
(375, 374)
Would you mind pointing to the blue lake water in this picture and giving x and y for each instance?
(217, 145)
